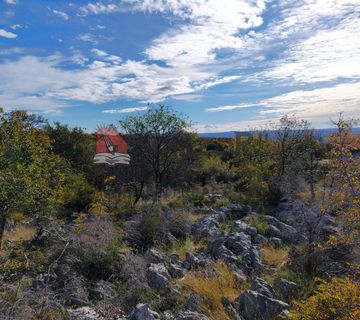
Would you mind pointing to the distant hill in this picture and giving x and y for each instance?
(320, 133)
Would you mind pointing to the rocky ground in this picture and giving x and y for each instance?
(86, 289)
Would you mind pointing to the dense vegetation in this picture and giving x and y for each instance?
(100, 240)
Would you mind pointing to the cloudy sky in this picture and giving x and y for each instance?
(228, 64)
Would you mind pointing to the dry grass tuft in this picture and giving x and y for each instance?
(21, 233)
(213, 288)
(275, 257)
(186, 246)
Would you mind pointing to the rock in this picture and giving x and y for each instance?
(276, 242)
(143, 312)
(260, 239)
(103, 290)
(235, 248)
(189, 315)
(239, 211)
(167, 315)
(241, 226)
(303, 218)
(255, 258)
(238, 273)
(84, 313)
(229, 309)
(194, 303)
(238, 243)
(261, 286)
(205, 227)
(154, 256)
(174, 258)
(287, 290)
(254, 305)
(176, 271)
(281, 230)
(190, 262)
(158, 276)
(273, 232)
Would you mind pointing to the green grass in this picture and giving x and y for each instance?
(260, 225)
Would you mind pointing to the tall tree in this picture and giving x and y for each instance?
(159, 136)
(74, 145)
(288, 135)
(31, 175)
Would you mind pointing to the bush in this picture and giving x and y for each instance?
(260, 225)
(337, 299)
(156, 226)
(178, 223)
(151, 227)
(96, 247)
(78, 194)
(222, 202)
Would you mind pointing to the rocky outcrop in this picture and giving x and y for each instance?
(305, 219)
(189, 315)
(158, 276)
(254, 305)
(84, 313)
(176, 271)
(261, 286)
(103, 290)
(280, 229)
(208, 226)
(143, 312)
(235, 248)
(286, 290)
(241, 226)
(260, 302)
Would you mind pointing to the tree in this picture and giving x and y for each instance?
(31, 176)
(288, 135)
(343, 198)
(310, 150)
(160, 138)
(254, 162)
(74, 145)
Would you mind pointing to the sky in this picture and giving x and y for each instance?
(227, 64)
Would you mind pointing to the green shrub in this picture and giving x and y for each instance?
(96, 247)
(222, 202)
(156, 224)
(150, 227)
(197, 199)
(260, 225)
(79, 193)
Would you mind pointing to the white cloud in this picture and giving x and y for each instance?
(87, 37)
(125, 110)
(99, 8)
(233, 107)
(11, 1)
(7, 34)
(318, 106)
(107, 57)
(61, 14)
(16, 26)
(208, 43)
(244, 125)
(326, 55)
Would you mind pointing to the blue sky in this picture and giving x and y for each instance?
(228, 64)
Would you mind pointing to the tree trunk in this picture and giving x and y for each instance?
(2, 227)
